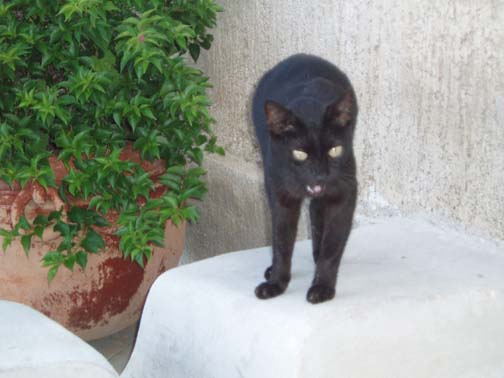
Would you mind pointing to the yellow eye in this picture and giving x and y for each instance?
(299, 155)
(336, 151)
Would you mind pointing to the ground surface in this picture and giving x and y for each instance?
(117, 348)
(416, 299)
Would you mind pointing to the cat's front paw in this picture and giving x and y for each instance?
(320, 293)
(268, 290)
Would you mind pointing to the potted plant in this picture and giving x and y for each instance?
(103, 130)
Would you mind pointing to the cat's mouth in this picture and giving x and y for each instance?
(315, 190)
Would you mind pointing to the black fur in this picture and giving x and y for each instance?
(307, 104)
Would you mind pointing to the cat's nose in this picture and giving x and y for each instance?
(314, 190)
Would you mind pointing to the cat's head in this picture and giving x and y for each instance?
(311, 149)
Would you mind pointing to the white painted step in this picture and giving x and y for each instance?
(34, 346)
(413, 300)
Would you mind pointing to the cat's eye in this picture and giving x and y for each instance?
(299, 155)
(335, 152)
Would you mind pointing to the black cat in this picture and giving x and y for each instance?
(304, 112)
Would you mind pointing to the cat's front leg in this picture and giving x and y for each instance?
(285, 217)
(337, 227)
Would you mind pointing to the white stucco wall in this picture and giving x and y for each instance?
(429, 75)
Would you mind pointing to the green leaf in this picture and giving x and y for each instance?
(54, 215)
(101, 221)
(39, 231)
(139, 259)
(62, 228)
(196, 172)
(52, 258)
(23, 223)
(62, 193)
(81, 259)
(78, 215)
(52, 273)
(177, 170)
(196, 192)
(191, 213)
(7, 238)
(198, 155)
(206, 43)
(93, 242)
(171, 200)
(41, 220)
(117, 119)
(194, 50)
(69, 261)
(26, 242)
(172, 184)
(220, 151)
(42, 181)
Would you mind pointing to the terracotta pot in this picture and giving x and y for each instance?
(105, 298)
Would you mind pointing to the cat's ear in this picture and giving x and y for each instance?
(342, 112)
(279, 119)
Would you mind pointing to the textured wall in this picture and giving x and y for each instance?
(429, 75)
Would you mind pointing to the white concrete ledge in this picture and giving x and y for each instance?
(34, 346)
(413, 300)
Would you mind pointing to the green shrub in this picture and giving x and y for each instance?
(81, 79)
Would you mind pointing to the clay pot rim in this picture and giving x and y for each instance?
(23, 195)
(155, 167)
